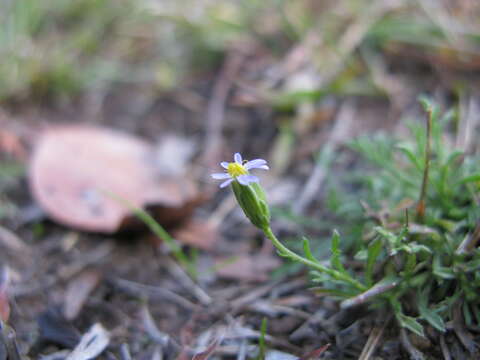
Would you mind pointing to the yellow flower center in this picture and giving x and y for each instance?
(235, 169)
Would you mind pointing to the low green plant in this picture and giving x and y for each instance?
(416, 251)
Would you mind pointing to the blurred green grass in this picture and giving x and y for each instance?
(59, 48)
(51, 48)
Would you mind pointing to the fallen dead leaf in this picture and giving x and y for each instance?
(77, 171)
(200, 234)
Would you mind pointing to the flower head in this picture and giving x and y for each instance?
(239, 170)
(246, 188)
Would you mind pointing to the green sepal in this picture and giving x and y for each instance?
(252, 200)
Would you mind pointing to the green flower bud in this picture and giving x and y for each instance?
(252, 200)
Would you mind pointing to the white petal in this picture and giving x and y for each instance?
(241, 179)
(238, 158)
(247, 179)
(224, 164)
(220, 176)
(226, 183)
(264, 167)
(253, 164)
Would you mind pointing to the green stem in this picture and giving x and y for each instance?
(423, 191)
(312, 264)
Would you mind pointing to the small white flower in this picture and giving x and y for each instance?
(238, 170)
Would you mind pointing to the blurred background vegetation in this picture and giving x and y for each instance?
(56, 49)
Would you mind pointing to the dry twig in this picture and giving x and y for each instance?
(152, 292)
(373, 340)
(414, 353)
(178, 272)
(444, 347)
(460, 329)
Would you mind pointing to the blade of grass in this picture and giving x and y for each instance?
(261, 341)
(159, 231)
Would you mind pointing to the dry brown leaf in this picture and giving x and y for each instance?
(76, 171)
(247, 267)
(200, 234)
(78, 291)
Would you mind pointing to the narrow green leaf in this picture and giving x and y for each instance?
(374, 250)
(442, 271)
(261, 340)
(410, 323)
(472, 266)
(453, 157)
(468, 179)
(419, 280)
(405, 321)
(307, 251)
(391, 238)
(333, 292)
(335, 260)
(284, 254)
(410, 264)
(416, 248)
(467, 315)
(448, 302)
(411, 156)
(361, 255)
(428, 314)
